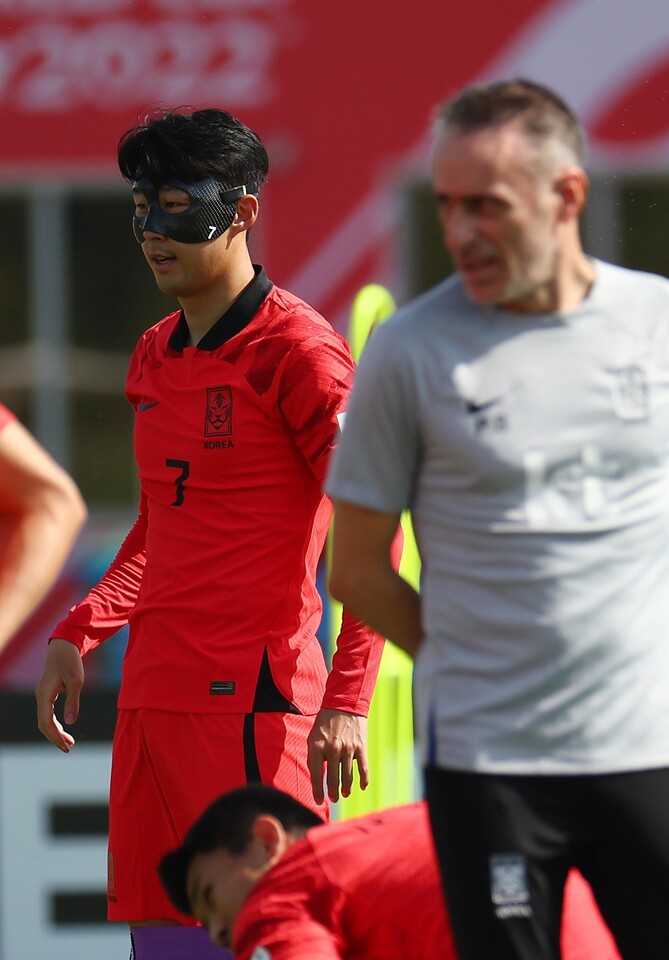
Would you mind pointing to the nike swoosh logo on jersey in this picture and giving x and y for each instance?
(480, 407)
(146, 405)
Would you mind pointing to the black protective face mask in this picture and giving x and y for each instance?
(211, 211)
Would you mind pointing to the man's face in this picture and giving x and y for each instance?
(219, 882)
(499, 216)
(181, 269)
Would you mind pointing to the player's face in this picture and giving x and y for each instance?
(499, 216)
(183, 270)
(218, 883)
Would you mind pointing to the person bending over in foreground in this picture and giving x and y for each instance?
(237, 398)
(355, 889)
(41, 513)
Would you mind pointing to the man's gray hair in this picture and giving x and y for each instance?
(543, 115)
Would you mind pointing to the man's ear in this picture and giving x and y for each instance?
(572, 186)
(271, 835)
(246, 213)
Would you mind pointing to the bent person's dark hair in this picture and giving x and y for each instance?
(227, 824)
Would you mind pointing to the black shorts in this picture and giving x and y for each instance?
(506, 843)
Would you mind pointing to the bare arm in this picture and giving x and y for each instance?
(363, 577)
(41, 512)
(338, 739)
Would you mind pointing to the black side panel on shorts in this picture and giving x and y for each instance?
(250, 755)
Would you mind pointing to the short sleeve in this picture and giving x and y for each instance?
(375, 462)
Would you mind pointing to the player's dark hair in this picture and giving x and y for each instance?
(192, 146)
(543, 114)
(227, 824)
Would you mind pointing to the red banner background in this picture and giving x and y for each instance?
(340, 92)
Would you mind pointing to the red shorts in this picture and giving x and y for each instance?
(166, 768)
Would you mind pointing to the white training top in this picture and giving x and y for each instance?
(533, 452)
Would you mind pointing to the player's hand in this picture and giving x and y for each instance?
(336, 740)
(63, 673)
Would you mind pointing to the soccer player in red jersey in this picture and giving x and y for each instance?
(41, 513)
(355, 889)
(237, 398)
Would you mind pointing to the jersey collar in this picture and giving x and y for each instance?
(238, 315)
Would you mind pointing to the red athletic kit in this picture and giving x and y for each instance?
(6, 416)
(218, 575)
(217, 578)
(370, 887)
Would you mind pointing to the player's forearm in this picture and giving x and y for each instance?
(36, 544)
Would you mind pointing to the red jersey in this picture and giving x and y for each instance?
(370, 887)
(6, 416)
(217, 578)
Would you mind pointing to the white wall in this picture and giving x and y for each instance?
(34, 864)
